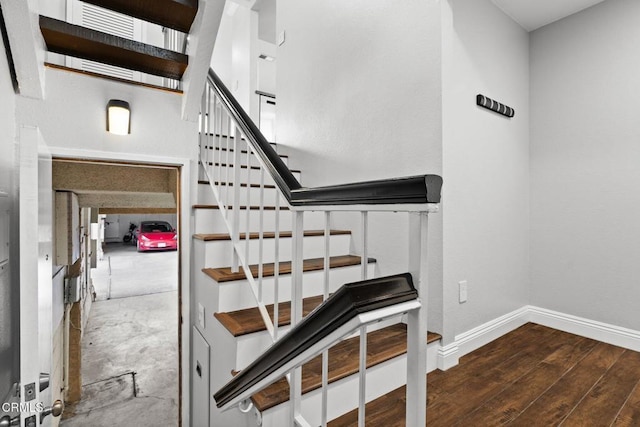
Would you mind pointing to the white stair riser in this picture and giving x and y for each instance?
(248, 346)
(225, 174)
(251, 194)
(214, 156)
(219, 253)
(237, 295)
(343, 394)
(211, 220)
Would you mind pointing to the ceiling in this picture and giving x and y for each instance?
(533, 14)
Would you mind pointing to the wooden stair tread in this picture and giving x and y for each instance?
(224, 274)
(253, 208)
(80, 42)
(176, 14)
(270, 186)
(387, 410)
(266, 235)
(249, 320)
(382, 345)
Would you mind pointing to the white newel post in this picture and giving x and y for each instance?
(417, 323)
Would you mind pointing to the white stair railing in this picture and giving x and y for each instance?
(232, 153)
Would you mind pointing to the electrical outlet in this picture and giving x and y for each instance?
(462, 288)
(201, 315)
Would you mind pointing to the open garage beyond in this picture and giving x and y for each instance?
(124, 272)
(130, 346)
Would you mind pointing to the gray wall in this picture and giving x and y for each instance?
(585, 152)
(8, 294)
(485, 164)
(360, 99)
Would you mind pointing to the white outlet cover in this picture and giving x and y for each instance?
(462, 286)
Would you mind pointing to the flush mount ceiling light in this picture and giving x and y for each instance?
(118, 117)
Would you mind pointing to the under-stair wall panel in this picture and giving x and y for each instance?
(200, 379)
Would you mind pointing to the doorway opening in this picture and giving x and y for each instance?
(121, 340)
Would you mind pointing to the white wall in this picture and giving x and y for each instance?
(585, 172)
(73, 116)
(485, 164)
(358, 87)
(233, 55)
(9, 327)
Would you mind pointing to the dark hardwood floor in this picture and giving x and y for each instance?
(533, 376)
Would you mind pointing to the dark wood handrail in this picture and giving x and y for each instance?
(416, 189)
(278, 170)
(341, 307)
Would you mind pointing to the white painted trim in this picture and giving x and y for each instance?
(487, 332)
(466, 342)
(187, 223)
(611, 334)
(448, 356)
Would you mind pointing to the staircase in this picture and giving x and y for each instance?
(233, 321)
(245, 262)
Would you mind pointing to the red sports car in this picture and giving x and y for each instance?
(156, 235)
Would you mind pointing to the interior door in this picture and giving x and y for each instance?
(35, 253)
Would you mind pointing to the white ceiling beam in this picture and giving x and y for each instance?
(202, 38)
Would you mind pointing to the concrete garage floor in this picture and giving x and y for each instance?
(130, 346)
(124, 272)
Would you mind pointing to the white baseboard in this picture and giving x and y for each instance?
(611, 334)
(449, 355)
(484, 334)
